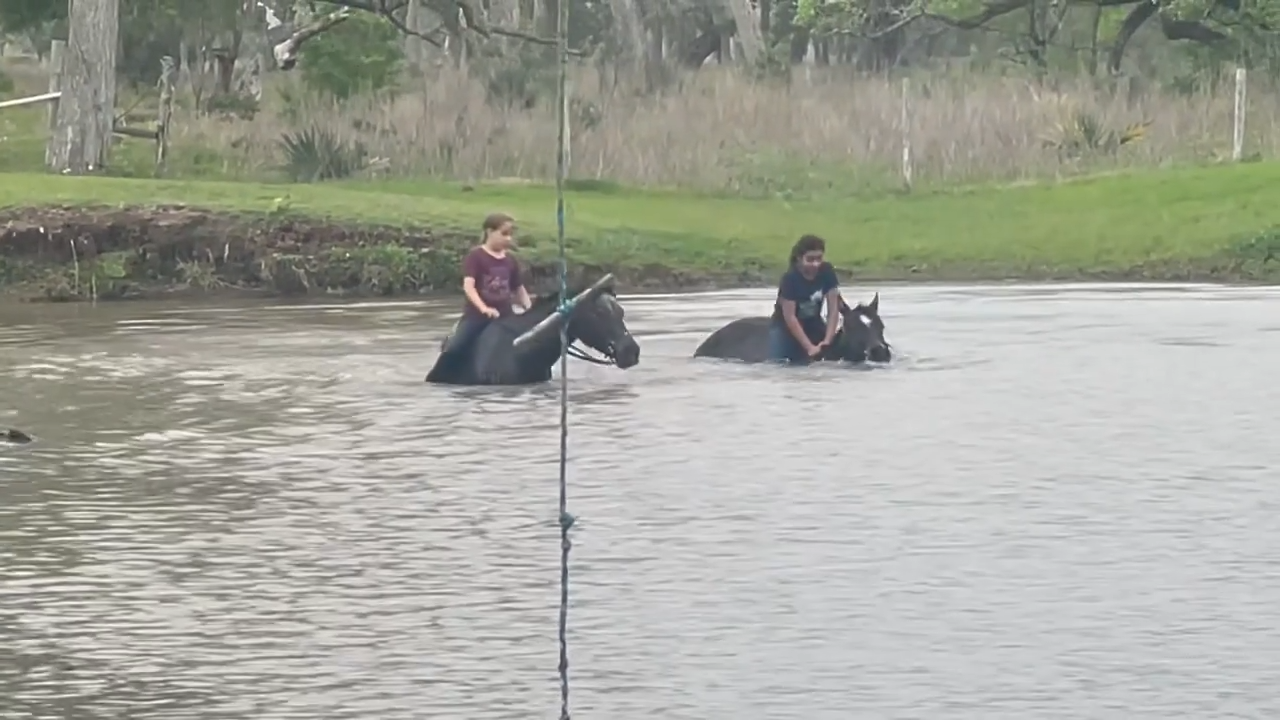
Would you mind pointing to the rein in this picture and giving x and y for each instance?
(578, 353)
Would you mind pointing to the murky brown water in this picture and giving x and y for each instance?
(1061, 503)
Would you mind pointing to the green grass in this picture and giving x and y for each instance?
(1174, 218)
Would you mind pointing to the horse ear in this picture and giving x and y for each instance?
(601, 286)
(875, 304)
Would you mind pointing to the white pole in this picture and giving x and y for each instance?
(1237, 135)
(906, 133)
(568, 143)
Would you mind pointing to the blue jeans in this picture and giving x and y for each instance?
(464, 334)
(784, 346)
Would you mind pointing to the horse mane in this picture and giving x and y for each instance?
(553, 298)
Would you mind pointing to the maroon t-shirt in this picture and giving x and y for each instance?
(497, 280)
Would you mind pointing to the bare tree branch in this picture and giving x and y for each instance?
(286, 52)
(989, 12)
(1190, 30)
(472, 17)
(1173, 29)
(973, 22)
(432, 36)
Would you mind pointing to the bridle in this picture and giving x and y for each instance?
(578, 353)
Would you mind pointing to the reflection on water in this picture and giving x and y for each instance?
(1055, 506)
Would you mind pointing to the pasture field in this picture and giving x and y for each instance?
(1218, 222)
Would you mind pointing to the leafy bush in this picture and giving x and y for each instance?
(230, 106)
(292, 102)
(1262, 248)
(362, 54)
(316, 154)
(521, 79)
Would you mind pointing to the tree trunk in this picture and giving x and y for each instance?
(1094, 30)
(252, 53)
(548, 21)
(184, 67)
(82, 133)
(529, 14)
(415, 48)
(630, 37)
(748, 29)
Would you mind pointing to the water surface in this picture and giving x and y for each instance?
(1060, 503)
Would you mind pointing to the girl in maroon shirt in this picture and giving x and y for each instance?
(491, 281)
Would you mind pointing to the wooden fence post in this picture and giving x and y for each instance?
(167, 79)
(56, 52)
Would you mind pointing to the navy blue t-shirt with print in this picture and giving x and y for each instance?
(810, 296)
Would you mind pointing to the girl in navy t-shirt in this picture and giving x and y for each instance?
(798, 333)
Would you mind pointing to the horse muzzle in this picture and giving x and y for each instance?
(880, 354)
(627, 353)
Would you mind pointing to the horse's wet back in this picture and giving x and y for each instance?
(1055, 504)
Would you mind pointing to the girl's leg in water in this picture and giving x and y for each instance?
(782, 347)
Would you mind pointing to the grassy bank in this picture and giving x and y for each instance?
(1206, 223)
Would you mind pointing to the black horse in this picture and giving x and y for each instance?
(861, 339)
(522, 349)
(16, 437)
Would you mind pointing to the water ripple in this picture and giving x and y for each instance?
(1055, 505)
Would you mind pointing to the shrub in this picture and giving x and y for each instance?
(362, 54)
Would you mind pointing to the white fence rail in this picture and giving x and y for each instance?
(33, 100)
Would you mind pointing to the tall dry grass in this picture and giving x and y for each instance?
(717, 129)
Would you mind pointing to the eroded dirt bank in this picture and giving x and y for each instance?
(81, 253)
(74, 253)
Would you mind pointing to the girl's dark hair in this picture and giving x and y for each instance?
(805, 245)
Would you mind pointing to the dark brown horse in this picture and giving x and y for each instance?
(522, 349)
(860, 340)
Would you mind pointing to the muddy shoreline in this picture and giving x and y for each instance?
(68, 254)
(73, 253)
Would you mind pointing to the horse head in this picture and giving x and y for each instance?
(863, 336)
(595, 317)
(15, 436)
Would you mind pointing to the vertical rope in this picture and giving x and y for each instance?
(566, 520)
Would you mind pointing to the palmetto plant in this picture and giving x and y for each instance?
(316, 154)
(1084, 133)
